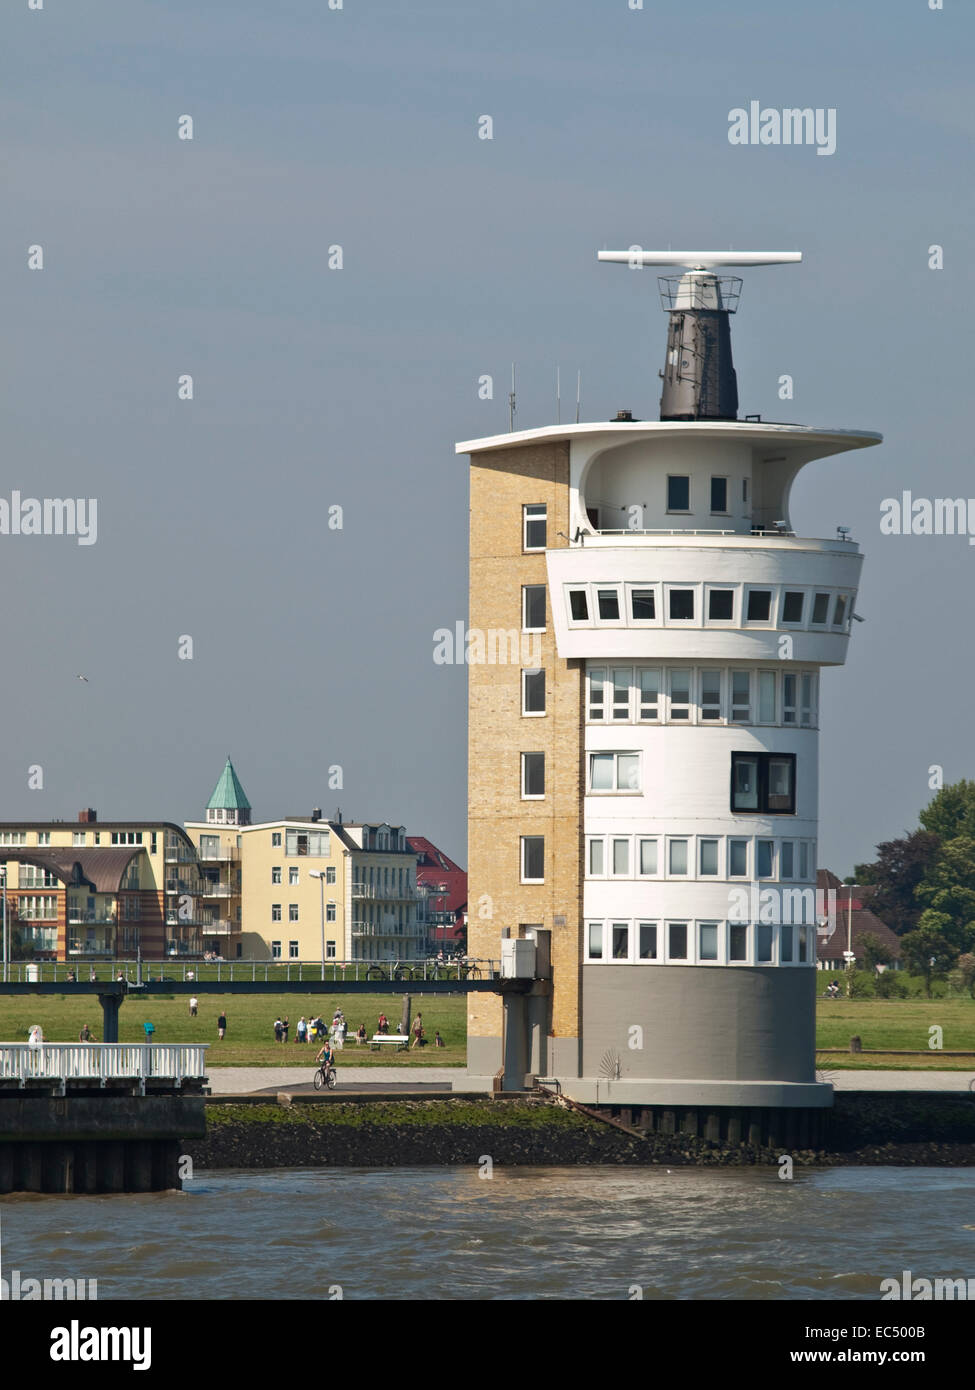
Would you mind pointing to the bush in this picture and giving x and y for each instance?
(889, 986)
(861, 984)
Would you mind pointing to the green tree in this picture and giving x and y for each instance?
(927, 951)
(948, 888)
(873, 951)
(965, 965)
(900, 866)
(951, 812)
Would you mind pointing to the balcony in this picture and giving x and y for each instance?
(222, 854)
(101, 919)
(218, 890)
(200, 918)
(373, 891)
(410, 929)
(180, 854)
(182, 885)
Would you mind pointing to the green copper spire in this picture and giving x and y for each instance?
(228, 794)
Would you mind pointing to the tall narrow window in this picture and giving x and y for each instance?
(648, 940)
(532, 775)
(677, 941)
(738, 941)
(839, 612)
(820, 610)
(786, 936)
(533, 692)
(781, 783)
(744, 782)
(533, 859)
(621, 940)
(707, 940)
(737, 858)
(803, 859)
(806, 699)
(596, 859)
(764, 850)
(766, 697)
(677, 857)
(649, 686)
(597, 689)
(741, 683)
(789, 687)
(621, 858)
(719, 495)
(787, 859)
(622, 675)
(533, 607)
(680, 693)
(708, 857)
(648, 856)
(710, 695)
(595, 941)
(534, 522)
(763, 939)
(678, 494)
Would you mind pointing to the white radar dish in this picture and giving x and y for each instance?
(702, 260)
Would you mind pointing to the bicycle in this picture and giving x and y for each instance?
(325, 1076)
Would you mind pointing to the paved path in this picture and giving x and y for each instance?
(237, 1081)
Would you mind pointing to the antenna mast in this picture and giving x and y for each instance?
(511, 400)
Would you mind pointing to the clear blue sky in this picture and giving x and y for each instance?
(315, 387)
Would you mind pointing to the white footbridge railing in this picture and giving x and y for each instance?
(103, 1062)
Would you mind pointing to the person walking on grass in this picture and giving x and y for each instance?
(418, 1030)
(222, 1024)
(194, 1005)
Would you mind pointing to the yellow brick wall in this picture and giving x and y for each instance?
(502, 482)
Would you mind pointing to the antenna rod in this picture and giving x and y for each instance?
(511, 400)
(558, 398)
(578, 392)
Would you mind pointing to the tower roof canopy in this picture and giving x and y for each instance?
(228, 794)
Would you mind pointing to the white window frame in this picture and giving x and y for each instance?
(679, 623)
(601, 957)
(602, 672)
(699, 925)
(638, 857)
(690, 704)
(590, 841)
(657, 718)
(735, 591)
(749, 942)
(718, 842)
(617, 591)
(711, 671)
(526, 795)
(612, 842)
(583, 589)
(759, 719)
(646, 960)
(627, 718)
(794, 589)
(691, 860)
(524, 607)
(688, 924)
(616, 789)
(771, 590)
(733, 718)
(653, 588)
(522, 852)
(533, 713)
(541, 514)
(830, 596)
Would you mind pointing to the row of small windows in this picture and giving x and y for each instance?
(699, 856)
(79, 838)
(293, 950)
(762, 783)
(699, 943)
(663, 604)
(293, 912)
(709, 695)
(679, 493)
(294, 874)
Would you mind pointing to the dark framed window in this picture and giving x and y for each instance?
(579, 605)
(678, 494)
(764, 783)
(820, 609)
(792, 605)
(759, 605)
(682, 605)
(532, 858)
(534, 520)
(721, 605)
(642, 605)
(609, 604)
(533, 692)
(719, 494)
(533, 774)
(533, 607)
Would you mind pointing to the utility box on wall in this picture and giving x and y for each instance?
(517, 960)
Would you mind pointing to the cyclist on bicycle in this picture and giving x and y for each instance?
(326, 1058)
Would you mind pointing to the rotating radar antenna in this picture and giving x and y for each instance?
(699, 381)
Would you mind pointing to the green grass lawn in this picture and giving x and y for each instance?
(250, 1019)
(896, 1024)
